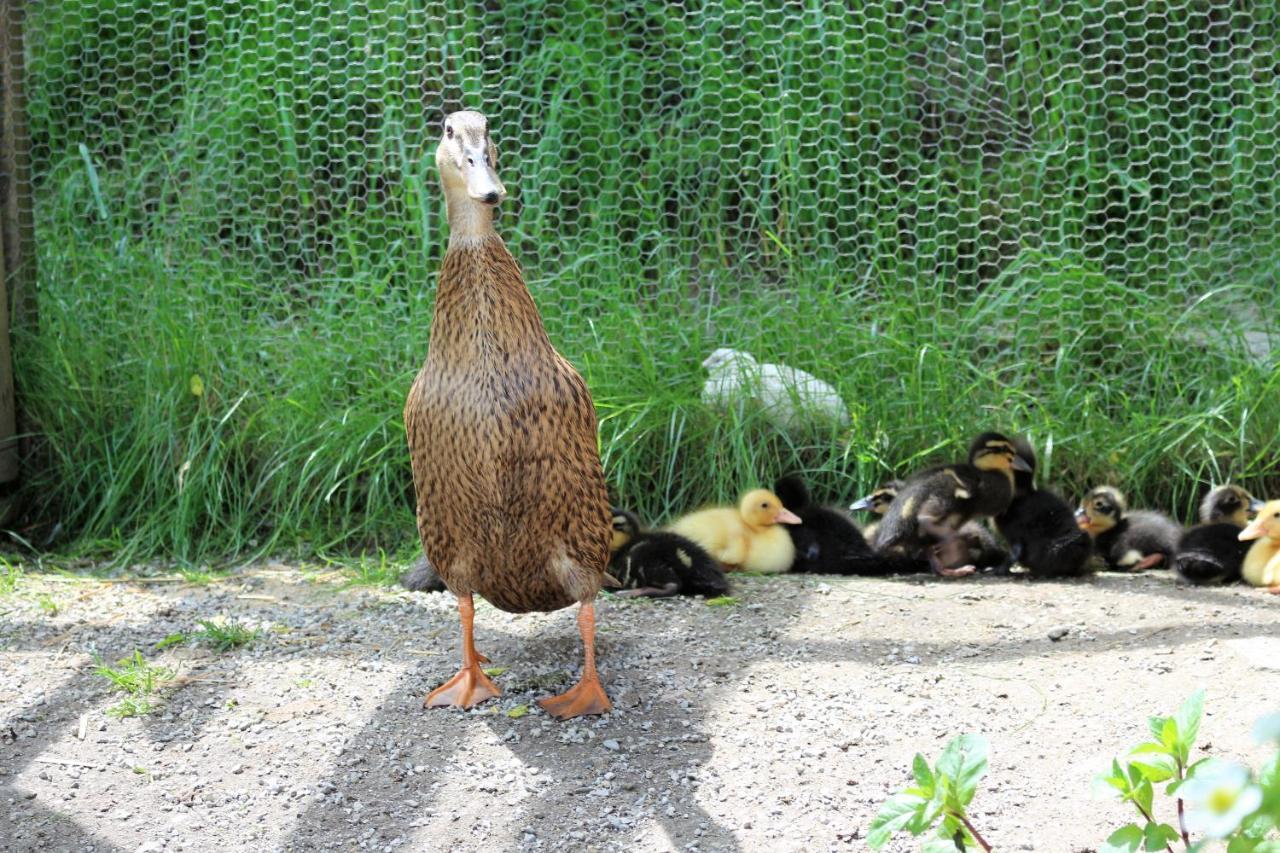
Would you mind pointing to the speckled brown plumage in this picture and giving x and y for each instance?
(512, 502)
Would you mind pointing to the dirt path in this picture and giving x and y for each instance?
(777, 724)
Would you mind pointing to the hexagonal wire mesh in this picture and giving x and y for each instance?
(1060, 215)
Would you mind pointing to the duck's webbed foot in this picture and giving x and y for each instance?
(587, 696)
(468, 688)
(1148, 562)
(667, 590)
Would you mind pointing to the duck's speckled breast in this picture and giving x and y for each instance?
(502, 434)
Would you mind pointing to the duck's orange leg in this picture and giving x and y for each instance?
(587, 696)
(470, 686)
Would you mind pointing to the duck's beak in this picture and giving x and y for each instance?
(1254, 505)
(859, 505)
(1253, 531)
(482, 180)
(1020, 464)
(786, 516)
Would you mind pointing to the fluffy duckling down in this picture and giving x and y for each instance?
(658, 564)
(1262, 563)
(1212, 551)
(1127, 540)
(748, 537)
(790, 398)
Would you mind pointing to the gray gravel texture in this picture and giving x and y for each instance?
(778, 724)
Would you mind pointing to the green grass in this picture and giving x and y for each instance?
(964, 220)
(224, 637)
(140, 681)
(10, 576)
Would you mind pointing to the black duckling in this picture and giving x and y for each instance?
(982, 550)
(1127, 541)
(826, 538)
(421, 577)
(1211, 552)
(924, 519)
(877, 503)
(659, 564)
(1041, 528)
(981, 547)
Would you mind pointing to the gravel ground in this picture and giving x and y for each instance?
(777, 724)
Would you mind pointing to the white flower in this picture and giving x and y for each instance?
(1219, 795)
(1267, 728)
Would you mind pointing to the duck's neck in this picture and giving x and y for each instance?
(470, 221)
(483, 309)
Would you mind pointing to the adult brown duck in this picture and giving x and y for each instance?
(511, 498)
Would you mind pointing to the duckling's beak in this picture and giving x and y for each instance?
(1020, 464)
(1255, 505)
(1253, 531)
(786, 516)
(1082, 519)
(856, 506)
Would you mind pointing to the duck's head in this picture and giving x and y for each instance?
(879, 500)
(626, 526)
(1101, 510)
(1228, 503)
(1024, 477)
(993, 451)
(1267, 523)
(762, 508)
(468, 162)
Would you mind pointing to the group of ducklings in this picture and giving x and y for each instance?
(937, 520)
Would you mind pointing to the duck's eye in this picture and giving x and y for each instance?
(448, 131)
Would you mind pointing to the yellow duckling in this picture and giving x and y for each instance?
(747, 537)
(1262, 563)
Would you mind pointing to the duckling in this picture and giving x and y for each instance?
(826, 538)
(511, 498)
(877, 503)
(924, 518)
(1262, 563)
(982, 550)
(979, 545)
(1127, 541)
(789, 397)
(748, 537)
(1212, 552)
(1041, 528)
(422, 578)
(659, 564)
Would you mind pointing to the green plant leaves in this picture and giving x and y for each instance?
(1126, 839)
(940, 792)
(923, 774)
(896, 813)
(1157, 836)
(964, 762)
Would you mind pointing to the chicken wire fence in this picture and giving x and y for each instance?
(1012, 180)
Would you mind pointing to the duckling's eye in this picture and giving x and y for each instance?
(448, 131)
(764, 506)
(471, 161)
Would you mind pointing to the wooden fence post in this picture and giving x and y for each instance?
(17, 225)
